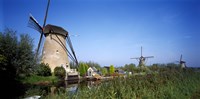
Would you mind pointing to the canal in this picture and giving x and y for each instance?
(65, 86)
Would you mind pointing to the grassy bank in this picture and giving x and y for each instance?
(167, 84)
(34, 79)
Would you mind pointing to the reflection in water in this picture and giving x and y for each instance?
(70, 87)
(73, 87)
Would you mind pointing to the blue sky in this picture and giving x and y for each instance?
(112, 31)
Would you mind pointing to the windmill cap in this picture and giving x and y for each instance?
(55, 30)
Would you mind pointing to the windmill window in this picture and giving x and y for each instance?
(67, 65)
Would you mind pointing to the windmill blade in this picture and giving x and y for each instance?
(72, 49)
(149, 57)
(181, 58)
(145, 61)
(65, 48)
(32, 23)
(35, 25)
(136, 58)
(141, 50)
(45, 18)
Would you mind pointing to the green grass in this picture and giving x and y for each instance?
(34, 79)
(38, 85)
(168, 84)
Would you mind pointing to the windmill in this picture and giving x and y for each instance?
(142, 59)
(54, 51)
(182, 63)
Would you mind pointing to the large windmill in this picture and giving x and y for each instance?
(54, 51)
(182, 63)
(142, 59)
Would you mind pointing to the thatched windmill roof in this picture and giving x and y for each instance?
(54, 29)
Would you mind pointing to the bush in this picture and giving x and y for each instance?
(83, 67)
(43, 70)
(60, 72)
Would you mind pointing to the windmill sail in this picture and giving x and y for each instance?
(149, 57)
(32, 23)
(45, 18)
(181, 58)
(141, 50)
(72, 50)
(142, 59)
(136, 58)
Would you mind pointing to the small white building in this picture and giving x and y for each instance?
(92, 71)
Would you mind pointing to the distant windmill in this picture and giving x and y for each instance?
(142, 59)
(54, 52)
(182, 63)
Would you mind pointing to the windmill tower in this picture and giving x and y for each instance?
(54, 51)
(182, 63)
(142, 59)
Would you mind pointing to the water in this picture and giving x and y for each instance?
(74, 87)
(65, 86)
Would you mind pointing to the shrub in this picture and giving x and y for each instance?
(60, 72)
(111, 69)
(43, 70)
(83, 67)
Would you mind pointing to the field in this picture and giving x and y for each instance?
(168, 83)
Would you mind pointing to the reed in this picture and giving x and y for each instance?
(168, 84)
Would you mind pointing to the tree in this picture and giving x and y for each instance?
(130, 67)
(83, 68)
(104, 71)
(2, 61)
(25, 56)
(112, 69)
(173, 66)
(16, 58)
(43, 70)
(8, 51)
(60, 72)
(93, 64)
